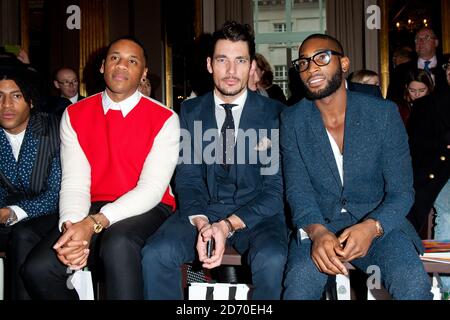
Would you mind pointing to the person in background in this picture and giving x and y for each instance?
(30, 173)
(418, 85)
(67, 83)
(145, 87)
(429, 138)
(261, 80)
(365, 77)
(402, 55)
(426, 44)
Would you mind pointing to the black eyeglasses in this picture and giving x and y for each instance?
(321, 59)
(445, 66)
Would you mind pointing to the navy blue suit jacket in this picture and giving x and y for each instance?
(19, 173)
(378, 181)
(198, 186)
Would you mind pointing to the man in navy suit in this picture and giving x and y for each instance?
(230, 190)
(30, 173)
(348, 181)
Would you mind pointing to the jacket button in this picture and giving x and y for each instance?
(344, 202)
(443, 158)
(431, 176)
(327, 220)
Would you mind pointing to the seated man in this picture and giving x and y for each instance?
(30, 173)
(348, 181)
(234, 196)
(118, 153)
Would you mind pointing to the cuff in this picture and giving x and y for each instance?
(191, 218)
(20, 213)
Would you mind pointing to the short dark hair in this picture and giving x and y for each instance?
(129, 38)
(25, 80)
(324, 37)
(233, 31)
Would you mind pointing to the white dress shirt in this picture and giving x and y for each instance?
(74, 99)
(220, 119)
(339, 158)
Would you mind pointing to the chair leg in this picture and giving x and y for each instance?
(343, 287)
(2, 284)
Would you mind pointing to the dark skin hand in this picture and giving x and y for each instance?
(329, 252)
(326, 250)
(358, 239)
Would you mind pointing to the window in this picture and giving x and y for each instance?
(280, 72)
(280, 27)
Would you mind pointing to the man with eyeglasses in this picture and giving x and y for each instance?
(67, 83)
(426, 44)
(348, 181)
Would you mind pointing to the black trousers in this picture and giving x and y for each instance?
(18, 241)
(117, 251)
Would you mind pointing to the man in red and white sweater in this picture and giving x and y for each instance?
(118, 153)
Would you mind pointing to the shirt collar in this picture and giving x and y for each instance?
(239, 101)
(74, 98)
(125, 106)
(421, 62)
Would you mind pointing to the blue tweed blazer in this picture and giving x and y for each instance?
(378, 180)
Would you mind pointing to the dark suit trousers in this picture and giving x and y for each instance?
(18, 241)
(174, 244)
(116, 251)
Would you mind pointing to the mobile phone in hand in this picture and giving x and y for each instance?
(209, 247)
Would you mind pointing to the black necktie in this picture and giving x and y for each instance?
(227, 136)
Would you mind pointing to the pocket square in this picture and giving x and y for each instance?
(263, 144)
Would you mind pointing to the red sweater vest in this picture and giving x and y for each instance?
(116, 147)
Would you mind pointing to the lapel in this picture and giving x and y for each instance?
(353, 133)
(251, 113)
(321, 139)
(29, 148)
(8, 164)
(208, 114)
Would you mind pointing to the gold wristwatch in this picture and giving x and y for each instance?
(97, 225)
(380, 230)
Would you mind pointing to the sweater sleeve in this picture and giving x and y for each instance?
(75, 194)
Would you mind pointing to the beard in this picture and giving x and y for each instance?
(230, 92)
(331, 87)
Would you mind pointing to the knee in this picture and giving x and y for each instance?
(36, 268)
(412, 285)
(116, 241)
(21, 233)
(160, 251)
(271, 258)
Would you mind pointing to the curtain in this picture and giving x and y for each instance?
(217, 12)
(345, 21)
(9, 22)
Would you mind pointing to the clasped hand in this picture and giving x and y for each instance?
(72, 248)
(330, 252)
